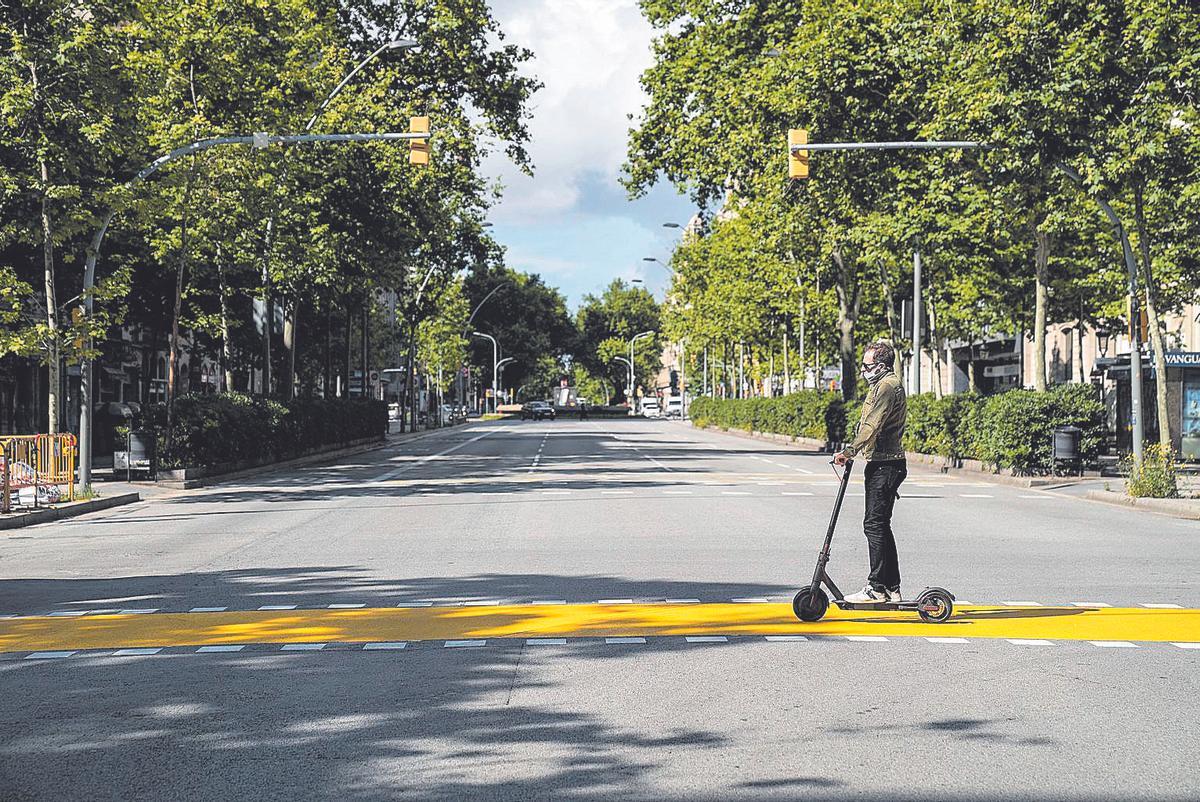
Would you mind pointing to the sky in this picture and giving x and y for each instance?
(572, 222)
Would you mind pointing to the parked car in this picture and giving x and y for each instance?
(537, 410)
(675, 407)
(650, 408)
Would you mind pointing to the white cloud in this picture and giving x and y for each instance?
(589, 54)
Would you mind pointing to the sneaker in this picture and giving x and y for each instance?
(868, 595)
(893, 596)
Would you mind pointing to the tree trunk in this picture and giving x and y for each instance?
(177, 308)
(326, 390)
(1042, 274)
(1156, 334)
(226, 347)
(53, 366)
(849, 296)
(349, 336)
(935, 341)
(972, 379)
(290, 315)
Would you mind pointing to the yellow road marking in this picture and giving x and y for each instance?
(581, 620)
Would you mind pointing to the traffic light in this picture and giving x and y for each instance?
(1143, 321)
(797, 159)
(418, 149)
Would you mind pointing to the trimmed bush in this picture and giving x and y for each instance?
(209, 430)
(1011, 430)
(807, 414)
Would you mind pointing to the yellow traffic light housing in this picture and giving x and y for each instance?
(418, 149)
(797, 159)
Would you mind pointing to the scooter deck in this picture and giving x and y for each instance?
(910, 605)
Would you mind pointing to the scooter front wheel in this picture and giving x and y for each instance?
(810, 604)
(935, 605)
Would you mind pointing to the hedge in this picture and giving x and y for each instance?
(209, 430)
(1010, 430)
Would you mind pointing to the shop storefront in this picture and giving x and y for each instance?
(1183, 400)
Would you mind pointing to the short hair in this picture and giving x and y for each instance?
(882, 351)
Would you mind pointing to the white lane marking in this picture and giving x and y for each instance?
(1021, 604)
(139, 611)
(616, 492)
(1187, 645)
(677, 492)
(47, 655)
(1036, 495)
(546, 642)
(734, 493)
(482, 603)
(136, 652)
(918, 495)
(549, 601)
(219, 649)
(750, 600)
(302, 647)
(706, 639)
(947, 640)
(771, 484)
(278, 607)
(208, 609)
(106, 611)
(556, 492)
(794, 493)
(974, 495)
(624, 640)
(615, 601)
(346, 606)
(1157, 606)
(1090, 604)
(786, 638)
(385, 645)
(1029, 642)
(682, 601)
(392, 474)
(464, 644)
(64, 613)
(415, 604)
(1114, 644)
(866, 638)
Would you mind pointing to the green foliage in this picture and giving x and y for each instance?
(607, 322)
(811, 414)
(1016, 429)
(1157, 476)
(209, 430)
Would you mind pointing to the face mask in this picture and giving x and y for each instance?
(875, 371)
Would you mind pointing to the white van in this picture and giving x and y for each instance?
(650, 408)
(675, 406)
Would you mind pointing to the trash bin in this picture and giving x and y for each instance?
(1066, 447)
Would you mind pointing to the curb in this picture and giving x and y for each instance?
(70, 510)
(1186, 509)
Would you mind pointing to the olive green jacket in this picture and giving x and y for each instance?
(880, 432)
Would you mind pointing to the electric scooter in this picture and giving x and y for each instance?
(934, 605)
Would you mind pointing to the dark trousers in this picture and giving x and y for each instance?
(882, 480)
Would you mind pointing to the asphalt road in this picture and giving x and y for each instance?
(593, 610)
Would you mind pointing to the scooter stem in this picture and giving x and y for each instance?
(823, 559)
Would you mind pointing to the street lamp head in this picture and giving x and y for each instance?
(671, 225)
(486, 225)
(649, 259)
(402, 44)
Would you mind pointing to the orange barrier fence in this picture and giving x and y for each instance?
(40, 461)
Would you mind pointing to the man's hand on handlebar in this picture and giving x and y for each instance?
(841, 459)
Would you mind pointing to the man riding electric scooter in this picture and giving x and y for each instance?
(878, 440)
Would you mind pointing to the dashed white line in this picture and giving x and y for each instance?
(750, 600)
(866, 638)
(734, 493)
(278, 607)
(346, 606)
(1187, 645)
(221, 649)
(141, 652)
(464, 644)
(482, 603)
(947, 640)
(1161, 606)
(616, 492)
(1029, 642)
(546, 642)
(1021, 604)
(682, 601)
(624, 640)
(615, 601)
(302, 647)
(706, 639)
(1114, 644)
(786, 638)
(415, 604)
(677, 492)
(208, 609)
(974, 495)
(47, 655)
(550, 601)
(386, 645)
(65, 613)
(795, 493)
(1090, 604)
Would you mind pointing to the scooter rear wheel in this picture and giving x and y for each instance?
(935, 606)
(810, 605)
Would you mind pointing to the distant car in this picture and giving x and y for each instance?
(650, 408)
(394, 410)
(537, 410)
(674, 407)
